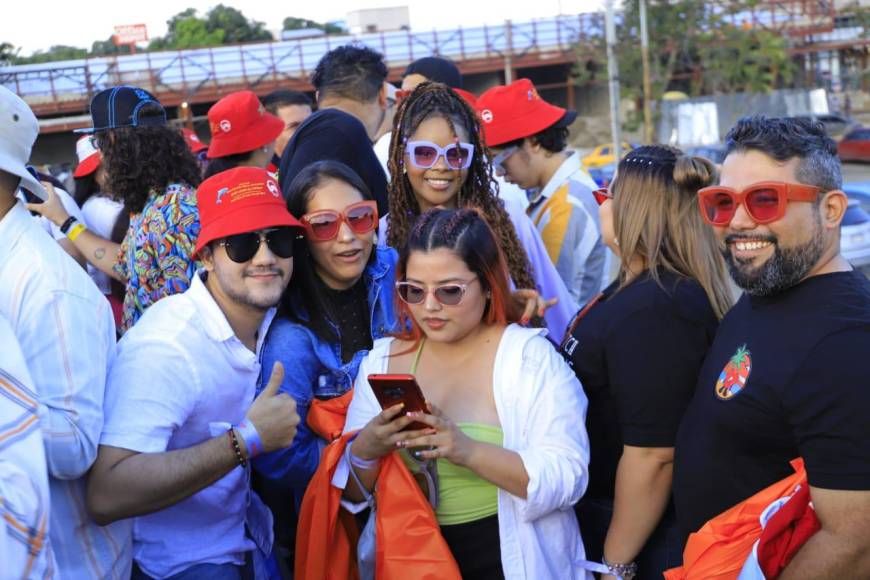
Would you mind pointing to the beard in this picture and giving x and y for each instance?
(784, 269)
(262, 300)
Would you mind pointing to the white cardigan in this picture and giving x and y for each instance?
(542, 410)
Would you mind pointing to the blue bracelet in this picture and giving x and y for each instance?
(252, 439)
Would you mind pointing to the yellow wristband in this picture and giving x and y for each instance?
(76, 231)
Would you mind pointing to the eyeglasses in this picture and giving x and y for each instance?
(602, 194)
(242, 247)
(498, 160)
(765, 201)
(446, 294)
(323, 225)
(425, 154)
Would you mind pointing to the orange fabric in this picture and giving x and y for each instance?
(326, 418)
(719, 549)
(409, 541)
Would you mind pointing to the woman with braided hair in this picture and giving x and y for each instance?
(438, 159)
(502, 423)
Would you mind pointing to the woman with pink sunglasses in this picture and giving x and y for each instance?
(339, 300)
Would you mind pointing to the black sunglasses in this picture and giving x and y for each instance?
(242, 247)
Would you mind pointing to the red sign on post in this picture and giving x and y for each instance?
(130, 34)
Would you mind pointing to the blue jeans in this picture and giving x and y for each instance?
(204, 572)
(663, 549)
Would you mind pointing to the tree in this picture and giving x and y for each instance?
(694, 47)
(292, 23)
(56, 52)
(236, 27)
(109, 48)
(193, 33)
(8, 53)
(221, 24)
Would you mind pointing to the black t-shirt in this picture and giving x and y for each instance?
(787, 376)
(637, 353)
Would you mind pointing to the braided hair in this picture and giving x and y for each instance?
(436, 99)
(465, 232)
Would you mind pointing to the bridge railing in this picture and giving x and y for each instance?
(60, 86)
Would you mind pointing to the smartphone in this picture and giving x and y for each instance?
(394, 389)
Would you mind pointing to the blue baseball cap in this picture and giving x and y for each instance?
(121, 107)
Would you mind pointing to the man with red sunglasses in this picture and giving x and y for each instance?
(786, 375)
(181, 419)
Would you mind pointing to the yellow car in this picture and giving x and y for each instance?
(604, 155)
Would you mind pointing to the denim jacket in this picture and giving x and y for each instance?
(313, 368)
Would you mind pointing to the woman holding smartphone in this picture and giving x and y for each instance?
(338, 302)
(504, 407)
(637, 349)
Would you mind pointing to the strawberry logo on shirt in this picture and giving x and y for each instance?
(733, 377)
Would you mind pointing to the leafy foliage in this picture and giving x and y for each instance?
(292, 23)
(696, 47)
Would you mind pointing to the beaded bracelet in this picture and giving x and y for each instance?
(234, 441)
(251, 437)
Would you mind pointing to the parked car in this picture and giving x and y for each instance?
(855, 230)
(604, 155)
(835, 125)
(855, 146)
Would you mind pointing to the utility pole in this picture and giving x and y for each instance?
(647, 91)
(509, 48)
(613, 81)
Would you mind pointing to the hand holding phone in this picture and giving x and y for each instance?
(399, 388)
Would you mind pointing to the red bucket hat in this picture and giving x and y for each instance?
(239, 123)
(244, 199)
(88, 155)
(517, 111)
(192, 140)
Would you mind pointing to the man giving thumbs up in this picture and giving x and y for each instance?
(181, 420)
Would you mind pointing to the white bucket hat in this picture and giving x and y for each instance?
(18, 131)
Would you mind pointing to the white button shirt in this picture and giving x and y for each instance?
(180, 372)
(67, 334)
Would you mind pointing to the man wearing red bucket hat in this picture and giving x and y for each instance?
(181, 418)
(528, 137)
(242, 133)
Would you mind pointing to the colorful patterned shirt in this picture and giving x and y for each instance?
(155, 257)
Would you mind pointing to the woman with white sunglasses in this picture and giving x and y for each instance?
(438, 159)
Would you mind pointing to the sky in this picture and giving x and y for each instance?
(38, 24)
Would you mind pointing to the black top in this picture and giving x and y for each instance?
(787, 376)
(349, 310)
(637, 353)
(339, 136)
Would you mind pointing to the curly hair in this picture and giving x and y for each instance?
(141, 161)
(477, 191)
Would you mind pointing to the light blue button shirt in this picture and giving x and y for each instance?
(67, 334)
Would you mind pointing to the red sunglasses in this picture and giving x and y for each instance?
(323, 225)
(601, 195)
(765, 201)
